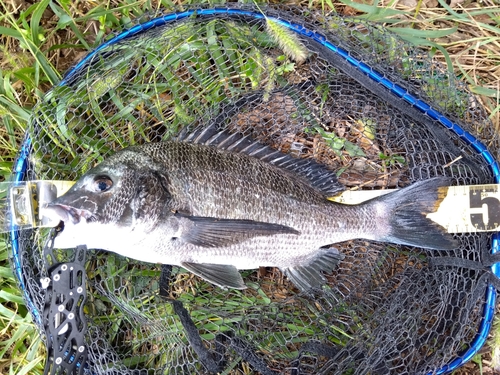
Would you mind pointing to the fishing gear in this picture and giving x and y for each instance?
(65, 323)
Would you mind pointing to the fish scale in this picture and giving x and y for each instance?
(228, 203)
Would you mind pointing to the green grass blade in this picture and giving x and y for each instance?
(420, 34)
(375, 13)
(36, 29)
(7, 31)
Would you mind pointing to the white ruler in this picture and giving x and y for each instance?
(465, 209)
(21, 203)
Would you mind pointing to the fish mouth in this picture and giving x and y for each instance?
(68, 213)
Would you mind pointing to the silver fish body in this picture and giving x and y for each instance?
(218, 205)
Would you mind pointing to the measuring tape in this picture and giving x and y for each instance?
(465, 209)
(21, 203)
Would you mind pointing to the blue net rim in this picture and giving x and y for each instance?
(490, 293)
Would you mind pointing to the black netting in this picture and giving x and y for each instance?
(389, 308)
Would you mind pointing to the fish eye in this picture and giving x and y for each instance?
(102, 184)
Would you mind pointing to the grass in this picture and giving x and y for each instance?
(42, 40)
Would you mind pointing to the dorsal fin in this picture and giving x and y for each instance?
(316, 174)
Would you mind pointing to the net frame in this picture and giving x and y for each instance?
(21, 164)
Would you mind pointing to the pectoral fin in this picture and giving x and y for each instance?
(225, 276)
(213, 232)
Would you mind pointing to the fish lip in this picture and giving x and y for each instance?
(68, 213)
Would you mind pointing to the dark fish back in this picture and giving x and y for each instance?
(236, 161)
(195, 163)
(315, 175)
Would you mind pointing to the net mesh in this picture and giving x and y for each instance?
(390, 309)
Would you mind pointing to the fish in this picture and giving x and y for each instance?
(215, 202)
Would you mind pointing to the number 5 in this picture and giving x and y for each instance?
(493, 207)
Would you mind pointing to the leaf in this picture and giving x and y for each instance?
(416, 33)
(375, 13)
(467, 17)
(6, 273)
(10, 297)
(42, 62)
(353, 150)
(30, 366)
(23, 113)
(66, 20)
(420, 42)
(36, 30)
(492, 93)
(7, 31)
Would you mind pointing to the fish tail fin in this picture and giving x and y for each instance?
(406, 211)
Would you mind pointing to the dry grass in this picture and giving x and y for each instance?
(474, 48)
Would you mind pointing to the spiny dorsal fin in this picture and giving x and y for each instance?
(316, 174)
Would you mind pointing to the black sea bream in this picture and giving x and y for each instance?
(215, 203)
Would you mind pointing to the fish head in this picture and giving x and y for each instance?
(111, 200)
(88, 198)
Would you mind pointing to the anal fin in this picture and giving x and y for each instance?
(309, 276)
(223, 275)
